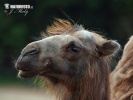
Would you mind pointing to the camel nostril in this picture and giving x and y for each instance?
(32, 51)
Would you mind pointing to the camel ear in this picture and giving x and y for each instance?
(108, 48)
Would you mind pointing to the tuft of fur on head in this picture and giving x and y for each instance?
(61, 26)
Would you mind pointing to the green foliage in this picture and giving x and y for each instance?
(122, 6)
(16, 35)
(94, 4)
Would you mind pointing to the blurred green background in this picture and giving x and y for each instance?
(111, 18)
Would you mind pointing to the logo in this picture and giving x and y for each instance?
(6, 6)
(22, 9)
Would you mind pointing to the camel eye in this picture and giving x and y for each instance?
(74, 49)
(32, 51)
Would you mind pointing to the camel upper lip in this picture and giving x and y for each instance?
(22, 68)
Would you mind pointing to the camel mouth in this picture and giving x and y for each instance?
(24, 70)
(27, 74)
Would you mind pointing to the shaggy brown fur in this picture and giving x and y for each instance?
(122, 76)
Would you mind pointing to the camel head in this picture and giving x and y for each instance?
(66, 54)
